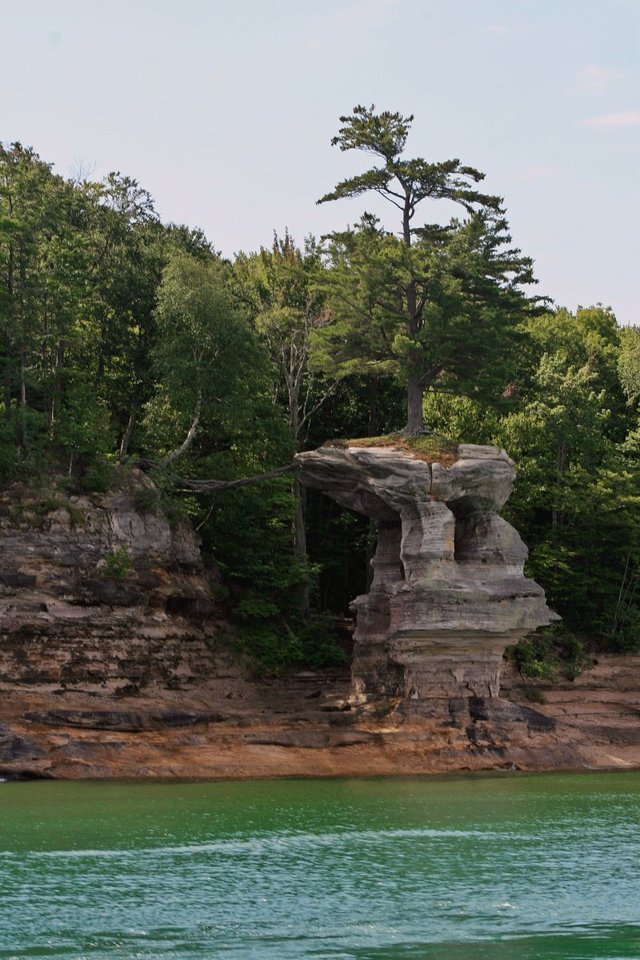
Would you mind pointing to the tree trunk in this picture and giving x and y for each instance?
(58, 387)
(415, 416)
(415, 388)
(23, 399)
(300, 539)
(126, 438)
(373, 426)
(188, 440)
(6, 380)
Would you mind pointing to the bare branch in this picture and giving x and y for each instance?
(309, 413)
(214, 485)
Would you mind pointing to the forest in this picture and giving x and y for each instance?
(128, 341)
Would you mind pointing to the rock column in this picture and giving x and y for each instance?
(448, 592)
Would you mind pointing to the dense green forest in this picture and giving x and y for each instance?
(124, 340)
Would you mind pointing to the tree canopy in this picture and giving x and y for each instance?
(435, 305)
(127, 340)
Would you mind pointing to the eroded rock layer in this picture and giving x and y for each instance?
(448, 592)
(100, 590)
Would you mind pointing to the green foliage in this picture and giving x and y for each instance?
(77, 515)
(249, 535)
(215, 385)
(97, 477)
(432, 305)
(461, 419)
(467, 331)
(534, 657)
(121, 337)
(9, 454)
(146, 499)
(48, 504)
(207, 362)
(549, 653)
(117, 563)
(266, 580)
(629, 363)
(384, 135)
(279, 286)
(273, 651)
(85, 432)
(575, 502)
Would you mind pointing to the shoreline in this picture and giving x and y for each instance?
(229, 728)
(453, 775)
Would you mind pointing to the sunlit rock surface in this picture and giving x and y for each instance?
(448, 592)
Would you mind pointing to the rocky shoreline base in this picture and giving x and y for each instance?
(113, 663)
(306, 726)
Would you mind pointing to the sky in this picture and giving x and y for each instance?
(224, 110)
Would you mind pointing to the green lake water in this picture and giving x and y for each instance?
(513, 867)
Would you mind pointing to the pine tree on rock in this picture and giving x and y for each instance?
(431, 304)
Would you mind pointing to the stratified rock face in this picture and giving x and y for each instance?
(448, 591)
(100, 590)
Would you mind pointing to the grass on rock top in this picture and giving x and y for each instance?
(428, 447)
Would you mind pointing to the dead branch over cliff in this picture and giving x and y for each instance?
(186, 484)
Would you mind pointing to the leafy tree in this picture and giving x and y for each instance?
(76, 295)
(213, 389)
(561, 428)
(279, 285)
(205, 357)
(127, 258)
(41, 280)
(86, 431)
(463, 419)
(433, 304)
(575, 501)
(629, 363)
(589, 338)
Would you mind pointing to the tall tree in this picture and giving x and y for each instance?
(431, 301)
(629, 363)
(205, 356)
(279, 284)
(43, 263)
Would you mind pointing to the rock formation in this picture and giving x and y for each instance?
(448, 592)
(106, 618)
(100, 590)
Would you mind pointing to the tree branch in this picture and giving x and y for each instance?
(203, 485)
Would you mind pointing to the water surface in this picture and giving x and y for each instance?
(513, 867)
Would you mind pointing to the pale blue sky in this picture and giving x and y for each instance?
(224, 112)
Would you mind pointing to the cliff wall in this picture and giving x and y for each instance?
(110, 665)
(99, 592)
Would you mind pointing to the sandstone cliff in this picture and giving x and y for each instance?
(110, 665)
(100, 590)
